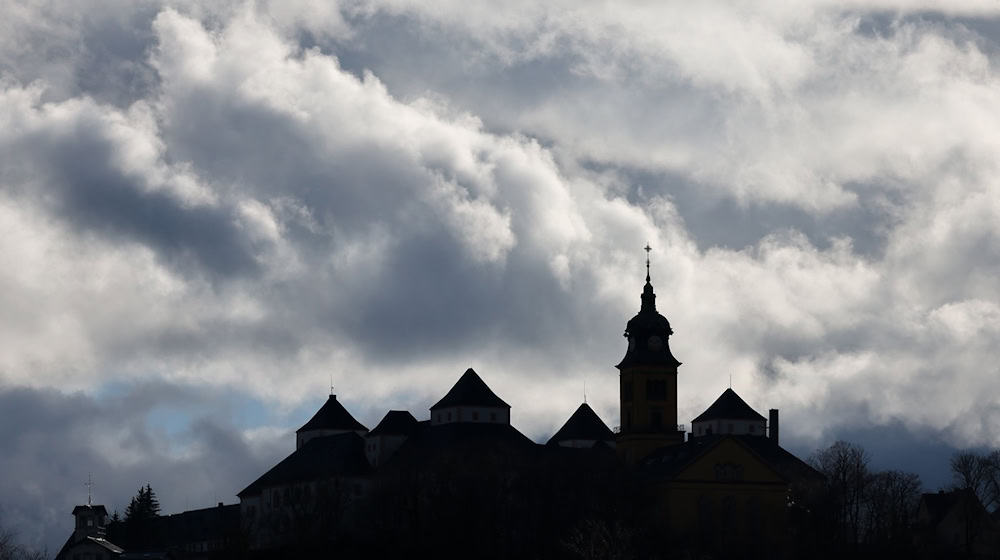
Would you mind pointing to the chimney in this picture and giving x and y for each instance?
(772, 423)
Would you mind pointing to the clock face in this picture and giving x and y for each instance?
(654, 343)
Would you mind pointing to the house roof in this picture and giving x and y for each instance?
(583, 424)
(395, 423)
(98, 509)
(64, 551)
(319, 458)
(668, 462)
(938, 504)
(332, 416)
(470, 390)
(431, 443)
(729, 406)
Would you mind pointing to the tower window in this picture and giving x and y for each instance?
(655, 418)
(475, 416)
(656, 389)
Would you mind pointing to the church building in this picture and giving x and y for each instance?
(725, 484)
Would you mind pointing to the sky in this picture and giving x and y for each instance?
(212, 212)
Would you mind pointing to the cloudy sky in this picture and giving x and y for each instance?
(209, 212)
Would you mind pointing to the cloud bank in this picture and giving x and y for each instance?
(236, 203)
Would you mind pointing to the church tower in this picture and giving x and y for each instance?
(648, 382)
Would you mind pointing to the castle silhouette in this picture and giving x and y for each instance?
(465, 482)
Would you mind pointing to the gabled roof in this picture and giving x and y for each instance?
(668, 462)
(332, 416)
(939, 504)
(583, 424)
(729, 406)
(319, 458)
(98, 509)
(395, 423)
(470, 390)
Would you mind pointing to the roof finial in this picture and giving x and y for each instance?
(584, 391)
(89, 484)
(331, 384)
(647, 248)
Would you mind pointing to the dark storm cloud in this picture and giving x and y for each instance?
(58, 439)
(85, 188)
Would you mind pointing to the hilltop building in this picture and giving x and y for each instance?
(465, 479)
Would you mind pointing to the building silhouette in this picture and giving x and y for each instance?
(464, 481)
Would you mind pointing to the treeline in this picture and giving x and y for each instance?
(863, 513)
(11, 549)
(857, 511)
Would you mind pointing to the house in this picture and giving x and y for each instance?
(956, 525)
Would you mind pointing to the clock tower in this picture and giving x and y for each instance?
(648, 382)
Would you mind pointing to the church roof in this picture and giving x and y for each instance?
(470, 390)
(583, 424)
(319, 458)
(729, 406)
(395, 423)
(332, 416)
(670, 461)
(643, 329)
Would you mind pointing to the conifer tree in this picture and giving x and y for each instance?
(143, 505)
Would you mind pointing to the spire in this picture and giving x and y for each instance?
(648, 297)
(647, 248)
(90, 486)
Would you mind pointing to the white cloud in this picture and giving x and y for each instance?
(260, 195)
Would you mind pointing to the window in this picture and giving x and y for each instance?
(475, 416)
(730, 429)
(449, 417)
(627, 391)
(656, 389)
(751, 428)
(655, 418)
(493, 417)
(628, 418)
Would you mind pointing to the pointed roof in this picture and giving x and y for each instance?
(647, 325)
(395, 423)
(470, 390)
(332, 416)
(583, 424)
(729, 406)
(319, 458)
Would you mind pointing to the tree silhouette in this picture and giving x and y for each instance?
(144, 505)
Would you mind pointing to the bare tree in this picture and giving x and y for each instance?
(10, 549)
(892, 499)
(845, 466)
(979, 473)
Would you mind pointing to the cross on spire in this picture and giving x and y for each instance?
(647, 248)
(90, 486)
